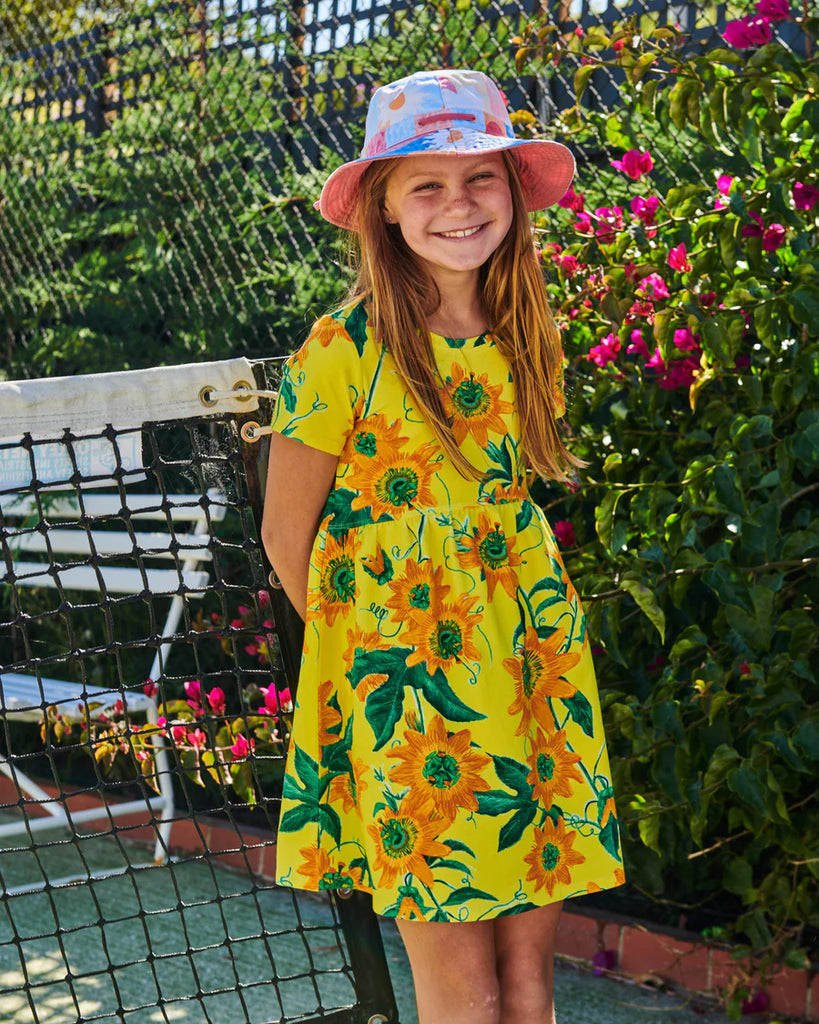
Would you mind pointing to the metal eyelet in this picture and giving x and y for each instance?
(204, 396)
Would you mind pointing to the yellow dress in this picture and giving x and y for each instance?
(447, 753)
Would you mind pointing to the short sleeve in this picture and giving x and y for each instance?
(319, 389)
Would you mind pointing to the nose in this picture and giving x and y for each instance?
(460, 197)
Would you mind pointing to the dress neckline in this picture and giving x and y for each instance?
(479, 339)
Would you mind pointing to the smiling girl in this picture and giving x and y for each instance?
(447, 755)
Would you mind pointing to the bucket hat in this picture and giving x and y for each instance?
(456, 112)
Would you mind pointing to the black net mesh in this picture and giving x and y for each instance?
(134, 611)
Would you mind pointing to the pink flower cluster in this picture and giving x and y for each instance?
(634, 163)
(755, 29)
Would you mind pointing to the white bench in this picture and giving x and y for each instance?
(74, 557)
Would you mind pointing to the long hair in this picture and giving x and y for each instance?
(403, 296)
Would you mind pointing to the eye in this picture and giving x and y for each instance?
(427, 185)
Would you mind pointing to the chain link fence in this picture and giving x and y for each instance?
(159, 161)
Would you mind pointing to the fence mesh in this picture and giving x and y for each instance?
(133, 583)
(159, 161)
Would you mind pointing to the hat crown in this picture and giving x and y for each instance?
(433, 101)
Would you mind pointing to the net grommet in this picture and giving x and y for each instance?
(248, 431)
(378, 1018)
(242, 385)
(274, 580)
(345, 892)
(204, 396)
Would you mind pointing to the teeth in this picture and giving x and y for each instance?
(463, 233)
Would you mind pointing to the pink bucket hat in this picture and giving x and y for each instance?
(446, 112)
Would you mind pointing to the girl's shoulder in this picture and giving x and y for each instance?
(348, 325)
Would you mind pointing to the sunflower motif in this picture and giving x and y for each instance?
(409, 908)
(443, 636)
(419, 589)
(390, 484)
(337, 587)
(373, 436)
(322, 874)
(347, 788)
(403, 840)
(551, 858)
(553, 767)
(475, 405)
(363, 641)
(325, 331)
(441, 769)
(538, 672)
(490, 550)
(328, 716)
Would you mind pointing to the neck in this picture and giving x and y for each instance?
(459, 315)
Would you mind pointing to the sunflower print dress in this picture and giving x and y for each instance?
(447, 754)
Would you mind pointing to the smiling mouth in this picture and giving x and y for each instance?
(461, 233)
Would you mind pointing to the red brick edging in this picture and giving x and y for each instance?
(626, 948)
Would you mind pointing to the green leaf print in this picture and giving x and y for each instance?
(459, 896)
(513, 774)
(513, 830)
(581, 712)
(296, 818)
(335, 756)
(343, 517)
(288, 395)
(385, 704)
(524, 516)
(356, 326)
(385, 571)
(496, 801)
(610, 838)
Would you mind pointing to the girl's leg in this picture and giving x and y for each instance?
(524, 950)
(453, 971)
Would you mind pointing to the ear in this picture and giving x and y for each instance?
(388, 217)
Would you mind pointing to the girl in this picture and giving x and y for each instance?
(448, 754)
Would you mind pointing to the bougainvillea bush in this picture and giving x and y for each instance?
(684, 273)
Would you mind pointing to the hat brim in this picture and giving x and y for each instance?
(546, 169)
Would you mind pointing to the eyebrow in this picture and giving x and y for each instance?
(434, 174)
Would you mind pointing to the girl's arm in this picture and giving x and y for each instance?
(299, 479)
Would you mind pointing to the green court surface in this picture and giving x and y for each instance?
(196, 943)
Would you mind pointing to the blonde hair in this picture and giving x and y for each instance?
(403, 296)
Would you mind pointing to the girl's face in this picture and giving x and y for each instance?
(452, 211)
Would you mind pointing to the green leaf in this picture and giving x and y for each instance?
(610, 838)
(737, 876)
(649, 828)
(512, 831)
(463, 895)
(646, 600)
(581, 80)
(580, 711)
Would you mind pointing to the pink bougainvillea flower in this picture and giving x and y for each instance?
(707, 298)
(804, 196)
(149, 688)
(774, 10)
(678, 258)
(724, 183)
(772, 237)
(216, 699)
(641, 308)
(197, 738)
(606, 351)
(193, 688)
(609, 221)
(680, 373)
(656, 362)
(564, 533)
(572, 201)
(583, 224)
(242, 747)
(742, 361)
(653, 286)
(637, 346)
(645, 208)
(634, 163)
(161, 722)
(568, 264)
(752, 30)
(618, 45)
(752, 230)
(178, 732)
(686, 341)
